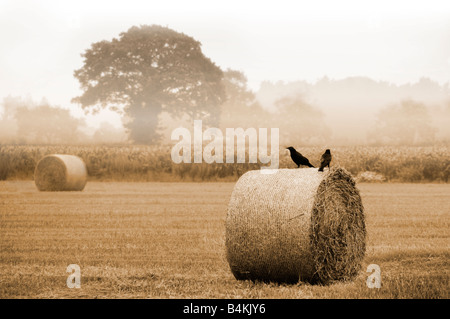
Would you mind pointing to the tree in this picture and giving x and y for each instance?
(240, 108)
(47, 125)
(300, 122)
(407, 123)
(8, 125)
(108, 134)
(148, 70)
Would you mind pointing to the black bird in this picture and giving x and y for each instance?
(325, 161)
(298, 158)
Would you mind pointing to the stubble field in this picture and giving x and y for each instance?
(166, 240)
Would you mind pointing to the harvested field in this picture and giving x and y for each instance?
(167, 240)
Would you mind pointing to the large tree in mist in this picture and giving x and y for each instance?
(148, 70)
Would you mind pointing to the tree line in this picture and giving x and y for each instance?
(157, 78)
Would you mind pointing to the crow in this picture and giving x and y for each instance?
(298, 158)
(325, 161)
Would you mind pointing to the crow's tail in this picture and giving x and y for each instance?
(310, 165)
(321, 168)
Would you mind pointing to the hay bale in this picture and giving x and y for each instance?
(60, 173)
(296, 224)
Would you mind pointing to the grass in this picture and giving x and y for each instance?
(166, 240)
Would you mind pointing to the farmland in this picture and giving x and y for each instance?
(154, 163)
(166, 240)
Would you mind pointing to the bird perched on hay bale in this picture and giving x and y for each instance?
(325, 160)
(298, 158)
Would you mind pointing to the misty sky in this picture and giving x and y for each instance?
(394, 41)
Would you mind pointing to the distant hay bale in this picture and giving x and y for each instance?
(60, 173)
(370, 177)
(296, 224)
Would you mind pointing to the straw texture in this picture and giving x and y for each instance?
(296, 224)
(59, 172)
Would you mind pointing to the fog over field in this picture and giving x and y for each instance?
(350, 111)
(352, 106)
(343, 72)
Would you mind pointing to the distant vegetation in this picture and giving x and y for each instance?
(355, 109)
(148, 163)
(156, 79)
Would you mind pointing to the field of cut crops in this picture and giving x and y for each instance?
(167, 240)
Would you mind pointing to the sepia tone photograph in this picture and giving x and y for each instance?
(224, 154)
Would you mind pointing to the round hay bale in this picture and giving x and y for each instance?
(295, 224)
(60, 173)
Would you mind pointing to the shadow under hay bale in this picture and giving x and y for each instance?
(60, 173)
(295, 224)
